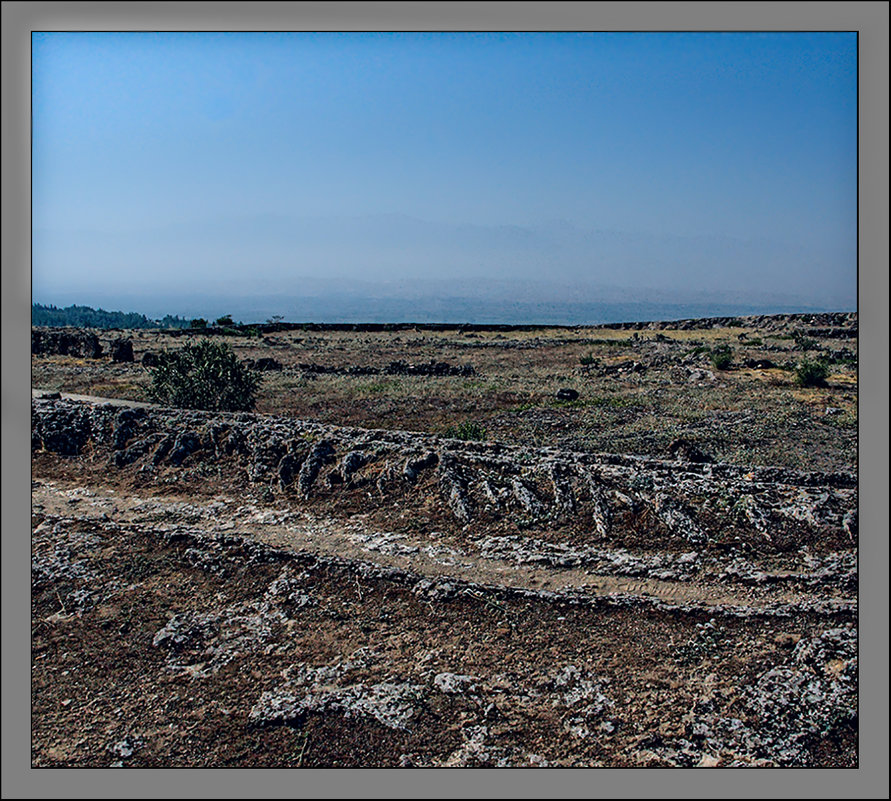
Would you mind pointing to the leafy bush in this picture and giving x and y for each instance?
(588, 360)
(466, 431)
(204, 376)
(225, 320)
(722, 357)
(198, 322)
(811, 373)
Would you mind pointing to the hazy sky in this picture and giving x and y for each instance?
(164, 161)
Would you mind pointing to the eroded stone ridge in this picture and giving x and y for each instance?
(696, 504)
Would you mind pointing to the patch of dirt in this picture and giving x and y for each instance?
(181, 646)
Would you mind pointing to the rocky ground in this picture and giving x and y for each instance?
(271, 590)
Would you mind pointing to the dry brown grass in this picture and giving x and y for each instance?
(744, 414)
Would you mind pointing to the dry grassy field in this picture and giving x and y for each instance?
(638, 391)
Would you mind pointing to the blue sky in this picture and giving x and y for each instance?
(724, 161)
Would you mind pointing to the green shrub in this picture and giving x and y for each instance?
(199, 322)
(204, 376)
(811, 373)
(722, 357)
(587, 360)
(224, 321)
(467, 431)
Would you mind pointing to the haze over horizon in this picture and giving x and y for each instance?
(664, 169)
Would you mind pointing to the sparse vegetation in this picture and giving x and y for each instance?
(803, 342)
(468, 431)
(843, 357)
(615, 343)
(613, 401)
(204, 376)
(378, 388)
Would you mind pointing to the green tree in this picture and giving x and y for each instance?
(226, 319)
(204, 376)
(198, 322)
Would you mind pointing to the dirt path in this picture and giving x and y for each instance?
(44, 393)
(306, 532)
(160, 640)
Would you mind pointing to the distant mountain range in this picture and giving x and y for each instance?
(444, 267)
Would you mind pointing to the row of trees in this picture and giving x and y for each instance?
(88, 317)
(221, 322)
